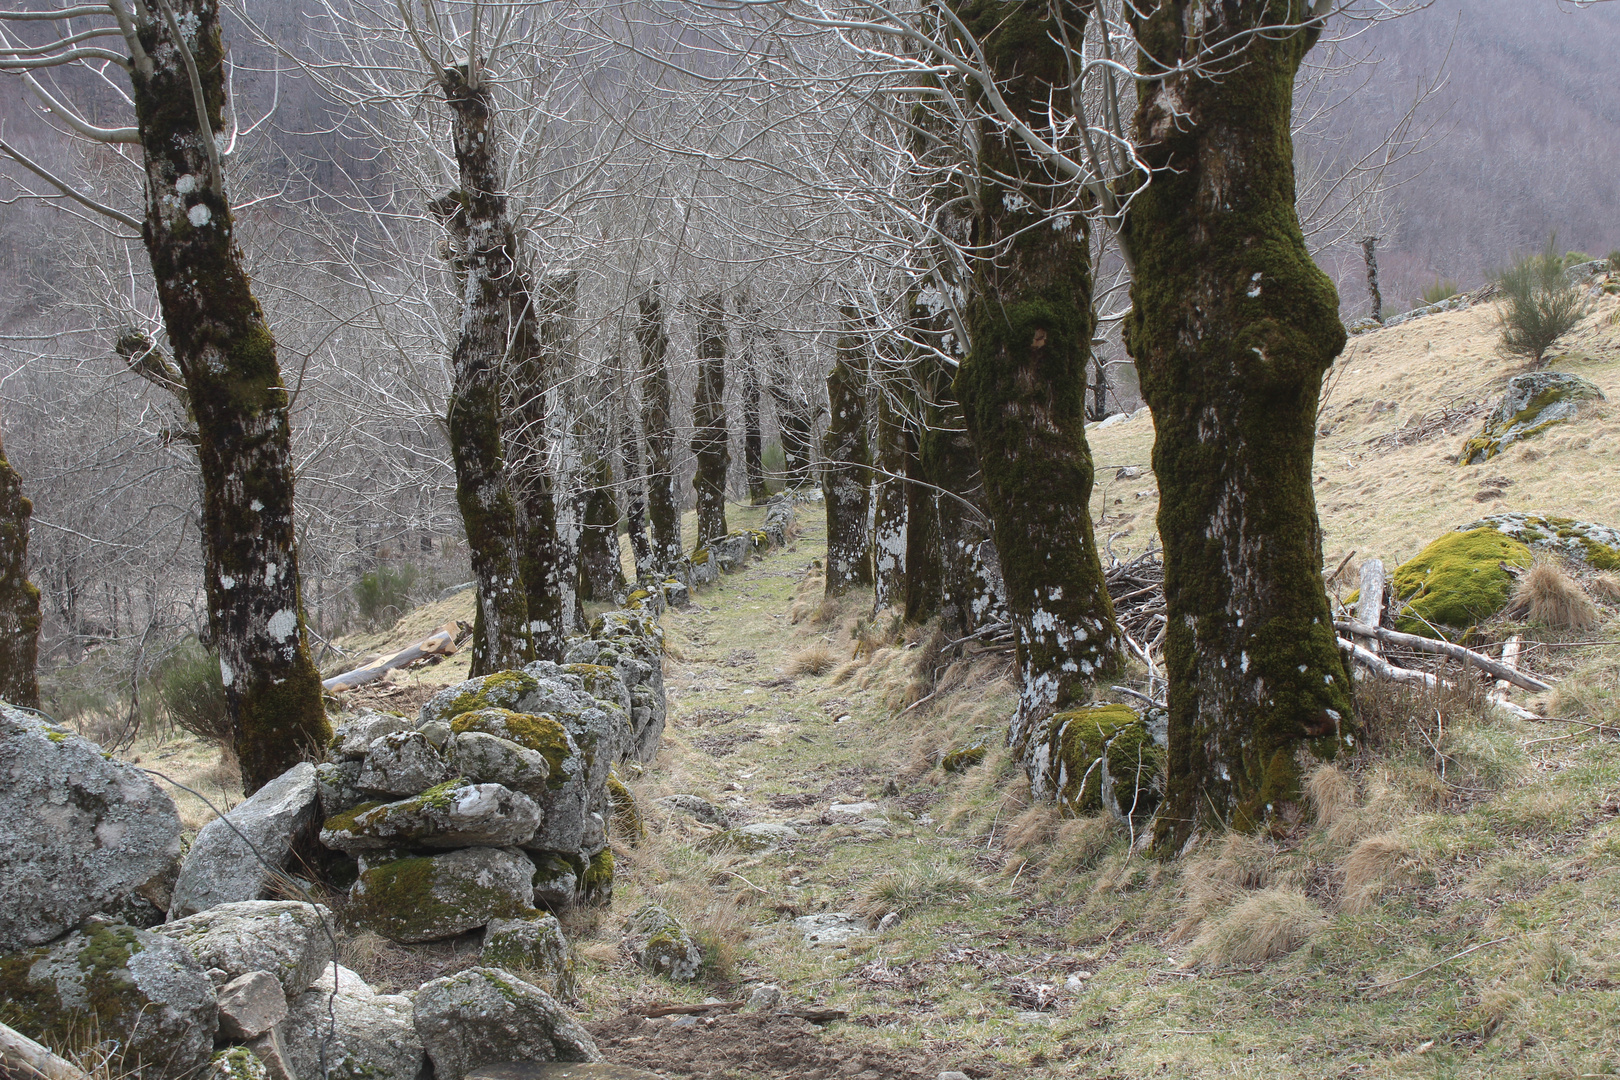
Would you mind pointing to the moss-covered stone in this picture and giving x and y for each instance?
(1533, 402)
(499, 690)
(236, 1063)
(534, 731)
(1456, 581)
(962, 758)
(596, 884)
(532, 945)
(109, 981)
(1596, 545)
(556, 879)
(432, 897)
(1102, 757)
(661, 945)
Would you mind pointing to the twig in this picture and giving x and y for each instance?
(1445, 648)
(1431, 967)
(1139, 696)
(1379, 666)
(692, 1010)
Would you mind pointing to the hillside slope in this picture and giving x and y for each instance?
(1387, 481)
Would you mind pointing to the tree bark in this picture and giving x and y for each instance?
(890, 552)
(1232, 328)
(795, 416)
(971, 589)
(494, 294)
(753, 437)
(1023, 382)
(1369, 255)
(19, 599)
(711, 443)
(846, 472)
(663, 510)
(545, 327)
(635, 494)
(601, 571)
(226, 355)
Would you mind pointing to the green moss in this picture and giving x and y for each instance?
(346, 821)
(1083, 742)
(57, 736)
(1456, 581)
(596, 883)
(405, 901)
(536, 731)
(500, 690)
(963, 758)
(700, 556)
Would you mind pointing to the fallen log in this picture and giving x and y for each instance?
(691, 1010)
(441, 642)
(1443, 648)
(1381, 667)
(25, 1057)
(1370, 607)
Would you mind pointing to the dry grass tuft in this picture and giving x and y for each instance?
(1078, 844)
(818, 659)
(1331, 792)
(360, 950)
(1219, 876)
(1268, 924)
(905, 891)
(1607, 586)
(1369, 868)
(1546, 594)
(1035, 827)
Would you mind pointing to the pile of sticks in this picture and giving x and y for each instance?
(1137, 589)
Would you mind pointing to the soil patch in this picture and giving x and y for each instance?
(746, 1046)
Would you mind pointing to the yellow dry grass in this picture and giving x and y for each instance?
(1264, 925)
(1546, 594)
(1370, 866)
(1389, 503)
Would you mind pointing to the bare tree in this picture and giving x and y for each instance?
(710, 443)
(846, 476)
(221, 345)
(19, 599)
(662, 508)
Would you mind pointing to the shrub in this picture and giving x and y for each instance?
(1439, 290)
(1539, 304)
(193, 694)
(383, 595)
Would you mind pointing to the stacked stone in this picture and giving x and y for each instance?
(730, 553)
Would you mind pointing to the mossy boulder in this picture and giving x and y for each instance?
(1596, 545)
(1533, 402)
(1456, 581)
(236, 1063)
(662, 946)
(499, 690)
(429, 898)
(485, 1015)
(286, 938)
(489, 759)
(144, 993)
(402, 763)
(964, 756)
(596, 884)
(352, 1031)
(539, 732)
(452, 815)
(556, 878)
(534, 946)
(1099, 757)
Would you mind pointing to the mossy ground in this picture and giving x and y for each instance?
(1457, 581)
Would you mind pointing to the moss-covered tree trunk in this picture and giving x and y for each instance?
(227, 357)
(796, 420)
(1023, 382)
(1232, 329)
(19, 599)
(925, 573)
(635, 492)
(846, 470)
(663, 510)
(543, 341)
(494, 294)
(971, 589)
(601, 571)
(711, 442)
(889, 504)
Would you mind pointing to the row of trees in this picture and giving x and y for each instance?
(935, 191)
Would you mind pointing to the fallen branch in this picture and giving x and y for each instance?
(1138, 695)
(23, 1055)
(692, 1010)
(441, 643)
(1444, 648)
(1384, 669)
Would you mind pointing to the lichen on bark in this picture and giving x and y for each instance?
(1232, 329)
(1022, 384)
(226, 355)
(19, 598)
(846, 472)
(711, 444)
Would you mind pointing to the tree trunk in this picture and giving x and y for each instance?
(663, 510)
(227, 357)
(711, 443)
(795, 416)
(753, 437)
(1023, 382)
(1232, 329)
(494, 292)
(846, 473)
(635, 495)
(889, 489)
(19, 599)
(924, 581)
(1369, 255)
(601, 571)
(971, 590)
(546, 327)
